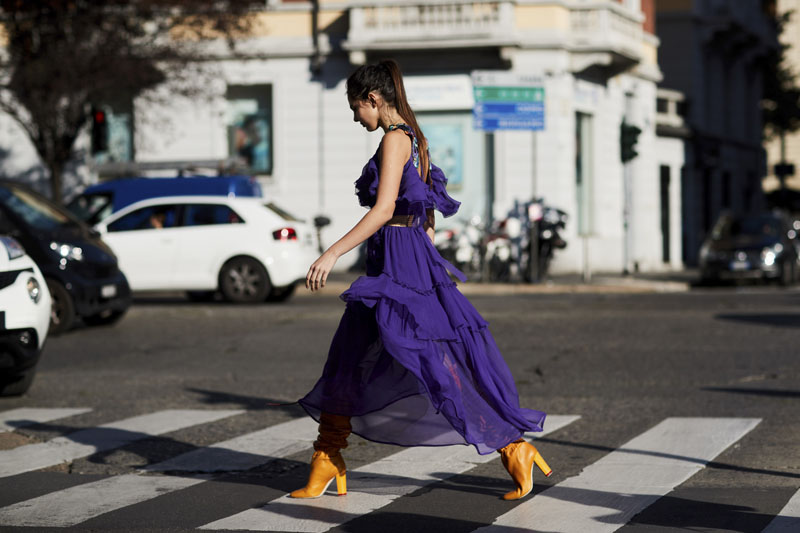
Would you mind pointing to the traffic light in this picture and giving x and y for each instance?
(99, 131)
(628, 136)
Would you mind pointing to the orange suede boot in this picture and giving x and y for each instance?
(519, 458)
(327, 463)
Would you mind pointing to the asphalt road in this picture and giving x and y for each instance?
(628, 365)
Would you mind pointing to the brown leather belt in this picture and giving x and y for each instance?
(406, 221)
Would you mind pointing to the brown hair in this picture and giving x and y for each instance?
(386, 78)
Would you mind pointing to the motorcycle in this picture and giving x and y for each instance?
(544, 237)
(461, 246)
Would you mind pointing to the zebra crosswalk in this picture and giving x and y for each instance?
(603, 497)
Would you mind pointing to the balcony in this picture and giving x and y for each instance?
(605, 36)
(399, 25)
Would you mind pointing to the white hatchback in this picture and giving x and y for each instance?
(248, 249)
(24, 317)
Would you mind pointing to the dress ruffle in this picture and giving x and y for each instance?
(367, 183)
(437, 193)
(433, 195)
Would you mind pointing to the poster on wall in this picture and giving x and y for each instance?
(446, 142)
(248, 134)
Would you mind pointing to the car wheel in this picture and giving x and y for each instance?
(244, 280)
(17, 384)
(62, 310)
(104, 319)
(281, 294)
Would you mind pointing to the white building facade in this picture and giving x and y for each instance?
(280, 107)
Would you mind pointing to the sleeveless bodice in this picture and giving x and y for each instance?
(414, 195)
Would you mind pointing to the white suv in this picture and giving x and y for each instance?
(248, 249)
(24, 317)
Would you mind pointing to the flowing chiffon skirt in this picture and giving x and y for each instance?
(412, 362)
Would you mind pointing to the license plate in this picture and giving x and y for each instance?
(108, 291)
(738, 266)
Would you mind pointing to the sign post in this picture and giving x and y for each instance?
(509, 101)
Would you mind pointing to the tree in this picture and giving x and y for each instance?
(781, 105)
(62, 57)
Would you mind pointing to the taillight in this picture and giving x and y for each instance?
(285, 234)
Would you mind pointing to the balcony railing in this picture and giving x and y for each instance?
(600, 33)
(606, 27)
(398, 24)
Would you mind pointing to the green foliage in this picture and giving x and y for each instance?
(781, 98)
(62, 57)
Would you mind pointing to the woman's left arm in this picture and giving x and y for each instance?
(395, 151)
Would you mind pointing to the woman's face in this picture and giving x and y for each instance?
(365, 112)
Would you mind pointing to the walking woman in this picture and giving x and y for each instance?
(412, 362)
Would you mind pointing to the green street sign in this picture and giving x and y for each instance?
(509, 94)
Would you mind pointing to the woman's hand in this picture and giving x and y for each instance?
(319, 270)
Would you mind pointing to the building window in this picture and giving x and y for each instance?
(250, 127)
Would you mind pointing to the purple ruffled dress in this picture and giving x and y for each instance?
(412, 362)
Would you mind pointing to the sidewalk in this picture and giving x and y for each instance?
(605, 283)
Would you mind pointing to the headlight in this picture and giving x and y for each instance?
(13, 247)
(67, 251)
(34, 290)
(770, 254)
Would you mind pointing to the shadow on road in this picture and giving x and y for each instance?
(775, 393)
(782, 320)
(708, 464)
(210, 397)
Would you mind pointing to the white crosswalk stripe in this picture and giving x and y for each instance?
(609, 492)
(77, 504)
(369, 488)
(107, 437)
(788, 520)
(27, 416)
(602, 498)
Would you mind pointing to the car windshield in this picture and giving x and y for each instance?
(33, 210)
(91, 208)
(763, 228)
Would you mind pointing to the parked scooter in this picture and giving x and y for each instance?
(462, 246)
(545, 224)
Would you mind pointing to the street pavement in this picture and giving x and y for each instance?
(670, 408)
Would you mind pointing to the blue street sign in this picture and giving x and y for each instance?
(508, 108)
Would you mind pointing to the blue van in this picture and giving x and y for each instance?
(98, 201)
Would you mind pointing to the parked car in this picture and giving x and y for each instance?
(762, 246)
(24, 317)
(80, 270)
(97, 202)
(247, 249)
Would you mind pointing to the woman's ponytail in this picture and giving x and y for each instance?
(405, 111)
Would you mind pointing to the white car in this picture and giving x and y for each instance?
(24, 317)
(248, 249)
